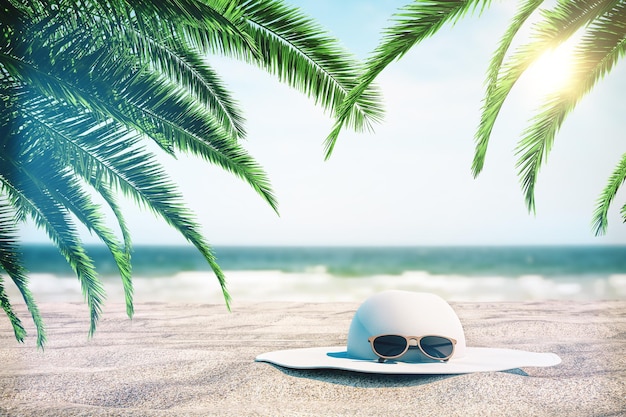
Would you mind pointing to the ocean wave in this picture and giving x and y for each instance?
(318, 285)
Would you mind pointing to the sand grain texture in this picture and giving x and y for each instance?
(198, 360)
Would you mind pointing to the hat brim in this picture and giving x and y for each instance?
(475, 360)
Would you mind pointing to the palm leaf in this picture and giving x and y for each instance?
(101, 156)
(412, 24)
(557, 26)
(179, 59)
(168, 115)
(489, 113)
(137, 177)
(53, 218)
(162, 110)
(205, 23)
(211, 25)
(10, 261)
(299, 52)
(84, 82)
(153, 107)
(104, 190)
(33, 181)
(185, 67)
(603, 44)
(600, 215)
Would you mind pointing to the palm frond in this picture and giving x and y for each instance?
(301, 53)
(600, 215)
(149, 104)
(10, 262)
(102, 157)
(603, 44)
(170, 116)
(186, 68)
(174, 57)
(493, 72)
(11, 15)
(84, 82)
(205, 23)
(32, 180)
(18, 329)
(162, 110)
(524, 12)
(557, 26)
(104, 190)
(49, 215)
(130, 168)
(411, 24)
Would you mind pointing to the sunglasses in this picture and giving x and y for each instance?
(391, 346)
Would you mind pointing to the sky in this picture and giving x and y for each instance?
(409, 182)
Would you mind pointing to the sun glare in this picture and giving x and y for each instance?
(551, 72)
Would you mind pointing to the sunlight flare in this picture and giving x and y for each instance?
(551, 72)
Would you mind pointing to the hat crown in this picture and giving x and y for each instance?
(403, 313)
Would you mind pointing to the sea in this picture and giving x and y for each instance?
(336, 274)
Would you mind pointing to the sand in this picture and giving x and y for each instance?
(176, 359)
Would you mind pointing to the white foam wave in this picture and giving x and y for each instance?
(317, 285)
(617, 283)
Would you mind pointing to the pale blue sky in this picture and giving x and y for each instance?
(409, 182)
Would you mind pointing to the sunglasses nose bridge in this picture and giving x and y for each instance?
(412, 341)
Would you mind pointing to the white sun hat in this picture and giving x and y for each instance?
(412, 315)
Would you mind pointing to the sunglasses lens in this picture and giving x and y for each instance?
(437, 347)
(389, 346)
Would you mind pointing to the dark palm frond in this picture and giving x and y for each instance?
(182, 221)
(18, 329)
(75, 57)
(55, 220)
(10, 262)
(154, 107)
(205, 23)
(166, 112)
(104, 190)
(54, 131)
(600, 48)
(114, 157)
(185, 67)
(556, 26)
(33, 180)
(83, 83)
(11, 15)
(163, 111)
(411, 24)
(141, 178)
(600, 215)
(175, 57)
(106, 155)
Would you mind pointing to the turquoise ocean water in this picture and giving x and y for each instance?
(164, 273)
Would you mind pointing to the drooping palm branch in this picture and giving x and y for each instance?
(12, 265)
(601, 45)
(411, 24)
(600, 28)
(84, 84)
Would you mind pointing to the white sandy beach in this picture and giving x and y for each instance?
(177, 359)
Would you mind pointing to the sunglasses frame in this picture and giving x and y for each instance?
(382, 358)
